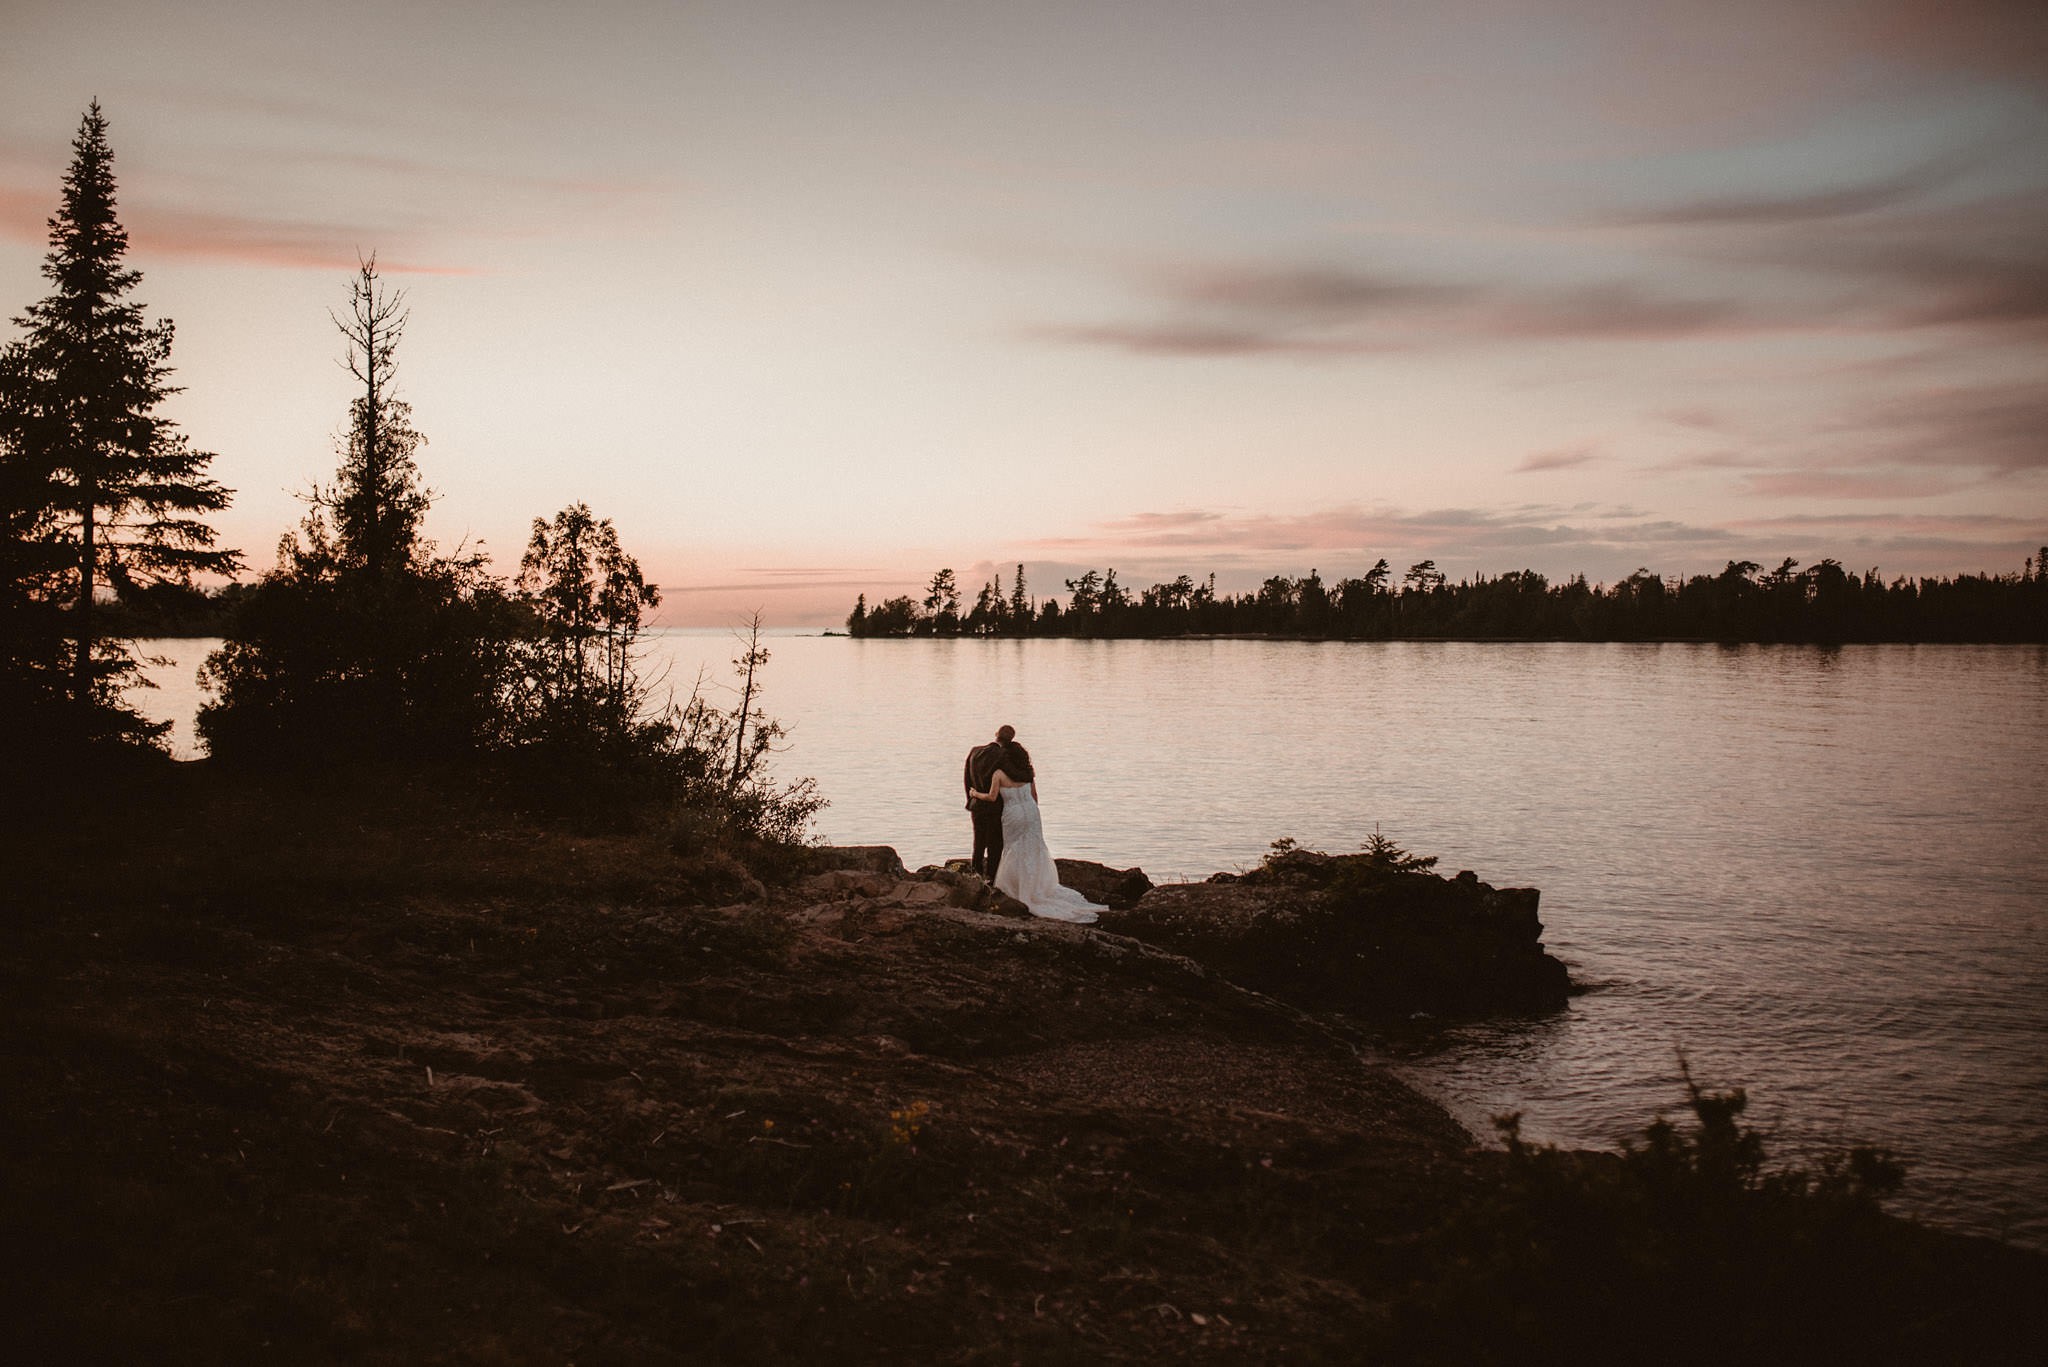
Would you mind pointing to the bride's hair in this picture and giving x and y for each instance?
(1017, 762)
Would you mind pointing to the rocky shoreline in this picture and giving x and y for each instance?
(1316, 930)
(371, 1072)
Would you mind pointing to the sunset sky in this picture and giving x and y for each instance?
(814, 298)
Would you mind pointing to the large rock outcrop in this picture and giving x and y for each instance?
(1341, 932)
(1321, 932)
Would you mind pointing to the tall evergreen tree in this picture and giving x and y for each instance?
(79, 394)
(34, 675)
(1020, 603)
(377, 500)
(364, 639)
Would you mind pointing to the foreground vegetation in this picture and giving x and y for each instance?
(1822, 603)
(383, 1070)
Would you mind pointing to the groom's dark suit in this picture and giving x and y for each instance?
(982, 763)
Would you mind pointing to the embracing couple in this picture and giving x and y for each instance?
(1009, 840)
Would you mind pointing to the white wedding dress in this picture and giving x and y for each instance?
(1027, 872)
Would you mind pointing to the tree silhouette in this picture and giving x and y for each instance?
(892, 617)
(364, 638)
(35, 677)
(747, 750)
(1424, 577)
(79, 394)
(587, 596)
(1084, 592)
(942, 603)
(377, 500)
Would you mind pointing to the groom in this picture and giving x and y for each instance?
(980, 772)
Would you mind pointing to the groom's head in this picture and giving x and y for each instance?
(1005, 734)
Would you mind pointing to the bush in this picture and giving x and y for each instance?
(1689, 1244)
(324, 664)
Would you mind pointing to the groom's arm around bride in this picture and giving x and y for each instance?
(977, 774)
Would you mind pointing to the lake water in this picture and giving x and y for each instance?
(1818, 872)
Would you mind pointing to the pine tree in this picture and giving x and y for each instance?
(78, 399)
(365, 640)
(377, 500)
(34, 675)
(1020, 603)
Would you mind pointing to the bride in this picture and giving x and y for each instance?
(1026, 871)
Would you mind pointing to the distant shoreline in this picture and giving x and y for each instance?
(1467, 640)
(194, 634)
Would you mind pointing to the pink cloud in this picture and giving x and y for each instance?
(253, 240)
(24, 217)
(262, 241)
(1146, 523)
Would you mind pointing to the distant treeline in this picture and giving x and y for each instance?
(1822, 603)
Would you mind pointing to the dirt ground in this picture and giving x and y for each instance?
(359, 1074)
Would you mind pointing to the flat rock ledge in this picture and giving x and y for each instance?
(1319, 932)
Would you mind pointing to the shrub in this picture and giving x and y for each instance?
(1689, 1243)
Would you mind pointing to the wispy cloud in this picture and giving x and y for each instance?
(1288, 310)
(1566, 458)
(254, 239)
(1712, 460)
(1300, 291)
(1911, 442)
(2001, 428)
(1152, 523)
(1979, 263)
(1198, 339)
(1859, 520)
(1804, 206)
(257, 240)
(416, 206)
(1845, 484)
